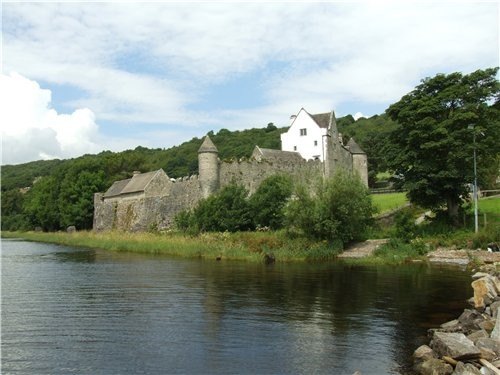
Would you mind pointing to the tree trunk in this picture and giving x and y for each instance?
(452, 207)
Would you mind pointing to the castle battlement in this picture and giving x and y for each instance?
(152, 200)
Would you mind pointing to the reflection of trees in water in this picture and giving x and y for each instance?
(403, 300)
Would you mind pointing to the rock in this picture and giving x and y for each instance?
(451, 326)
(493, 247)
(490, 344)
(470, 321)
(495, 334)
(466, 369)
(488, 325)
(479, 275)
(455, 345)
(484, 292)
(269, 258)
(433, 366)
(423, 353)
(494, 309)
(474, 336)
(71, 229)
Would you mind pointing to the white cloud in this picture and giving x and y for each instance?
(152, 63)
(32, 130)
(358, 115)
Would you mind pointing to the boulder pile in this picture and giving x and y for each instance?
(469, 344)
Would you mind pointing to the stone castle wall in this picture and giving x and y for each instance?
(145, 212)
(155, 204)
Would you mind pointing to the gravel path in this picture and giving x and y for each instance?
(362, 249)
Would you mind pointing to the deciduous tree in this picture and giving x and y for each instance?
(432, 146)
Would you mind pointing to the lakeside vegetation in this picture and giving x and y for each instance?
(422, 144)
(245, 246)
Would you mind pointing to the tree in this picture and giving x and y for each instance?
(41, 208)
(268, 201)
(76, 198)
(226, 210)
(432, 145)
(338, 209)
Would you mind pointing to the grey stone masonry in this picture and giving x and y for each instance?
(151, 200)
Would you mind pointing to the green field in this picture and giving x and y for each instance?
(389, 201)
(490, 205)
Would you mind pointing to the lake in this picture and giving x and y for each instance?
(81, 311)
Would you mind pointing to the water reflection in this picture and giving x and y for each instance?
(68, 310)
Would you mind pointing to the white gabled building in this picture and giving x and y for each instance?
(307, 135)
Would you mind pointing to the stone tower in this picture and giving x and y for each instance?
(208, 167)
(359, 160)
(332, 146)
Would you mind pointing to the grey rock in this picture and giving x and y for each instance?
(474, 336)
(433, 366)
(71, 229)
(494, 308)
(471, 321)
(479, 274)
(455, 345)
(451, 326)
(423, 353)
(488, 325)
(495, 334)
(466, 369)
(490, 344)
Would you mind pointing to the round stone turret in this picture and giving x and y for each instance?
(208, 167)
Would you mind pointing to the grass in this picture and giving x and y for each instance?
(248, 246)
(388, 202)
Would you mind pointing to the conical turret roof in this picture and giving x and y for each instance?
(207, 146)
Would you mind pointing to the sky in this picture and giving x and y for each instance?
(84, 77)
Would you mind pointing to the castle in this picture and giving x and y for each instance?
(312, 147)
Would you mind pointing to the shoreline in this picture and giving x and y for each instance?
(248, 246)
(469, 344)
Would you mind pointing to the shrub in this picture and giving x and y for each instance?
(227, 210)
(405, 227)
(268, 201)
(339, 208)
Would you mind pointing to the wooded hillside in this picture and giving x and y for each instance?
(427, 142)
(53, 194)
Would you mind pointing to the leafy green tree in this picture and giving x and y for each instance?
(76, 198)
(337, 209)
(12, 210)
(432, 146)
(41, 206)
(268, 201)
(227, 210)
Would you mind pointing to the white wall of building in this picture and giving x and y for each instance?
(305, 136)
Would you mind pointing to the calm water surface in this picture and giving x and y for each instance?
(77, 311)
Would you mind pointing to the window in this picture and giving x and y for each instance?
(303, 132)
(294, 148)
(315, 143)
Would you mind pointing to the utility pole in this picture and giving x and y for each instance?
(474, 191)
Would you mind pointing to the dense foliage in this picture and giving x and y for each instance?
(423, 139)
(268, 201)
(437, 123)
(232, 210)
(337, 209)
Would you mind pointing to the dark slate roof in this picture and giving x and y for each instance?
(116, 188)
(270, 154)
(354, 147)
(139, 182)
(322, 119)
(208, 146)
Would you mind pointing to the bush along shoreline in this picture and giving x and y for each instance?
(469, 344)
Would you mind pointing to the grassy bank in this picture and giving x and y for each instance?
(248, 246)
